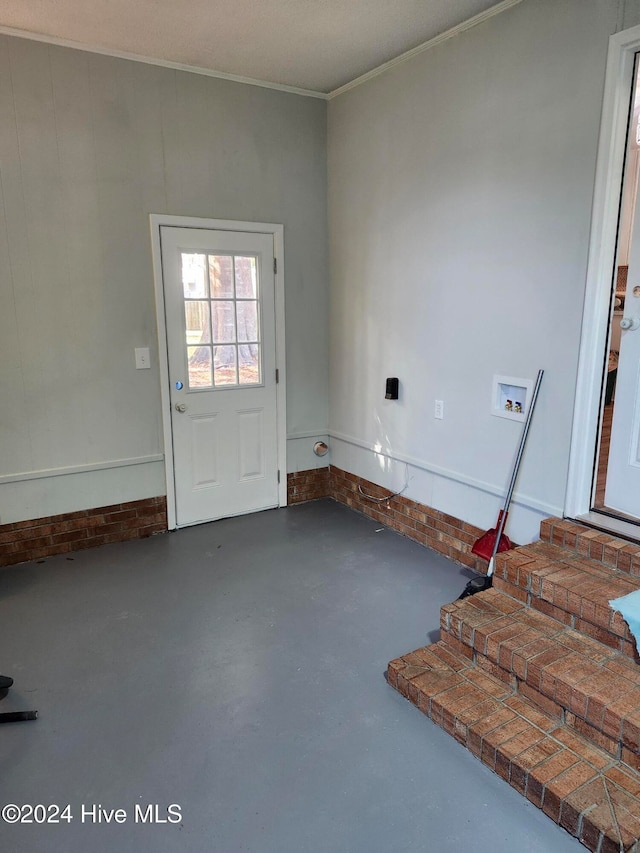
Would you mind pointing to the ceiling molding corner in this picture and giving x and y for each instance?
(427, 45)
(163, 63)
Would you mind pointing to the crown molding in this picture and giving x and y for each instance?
(250, 81)
(163, 63)
(427, 45)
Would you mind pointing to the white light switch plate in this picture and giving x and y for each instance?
(142, 358)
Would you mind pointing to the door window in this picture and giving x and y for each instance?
(221, 320)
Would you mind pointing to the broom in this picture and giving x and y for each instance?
(494, 541)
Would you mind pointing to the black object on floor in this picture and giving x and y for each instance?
(14, 716)
(18, 716)
(476, 585)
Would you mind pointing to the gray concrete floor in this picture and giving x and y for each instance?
(237, 669)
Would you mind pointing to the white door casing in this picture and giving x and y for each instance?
(224, 426)
(602, 255)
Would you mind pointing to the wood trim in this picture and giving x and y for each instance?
(162, 63)
(602, 250)
(449, 474)
(21, 476)
(276, 230)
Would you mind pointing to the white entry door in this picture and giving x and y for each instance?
(622, 490)
(220, 321)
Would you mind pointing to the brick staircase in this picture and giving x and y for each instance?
(540, 679)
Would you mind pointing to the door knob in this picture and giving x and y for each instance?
(180, 407)
(630, 323)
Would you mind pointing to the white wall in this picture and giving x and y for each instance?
(460, 191)
(89, 147)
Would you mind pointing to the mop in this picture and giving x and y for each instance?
(494, 541)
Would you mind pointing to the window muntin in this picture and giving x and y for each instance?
(222, 320)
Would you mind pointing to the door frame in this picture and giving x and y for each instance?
(618, 87)
(156, 222)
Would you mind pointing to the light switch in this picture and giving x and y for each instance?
(142, 358)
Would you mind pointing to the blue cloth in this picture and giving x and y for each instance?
(629, 607)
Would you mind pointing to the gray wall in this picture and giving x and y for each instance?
(460, 192)
(460, 187)
(89, 147)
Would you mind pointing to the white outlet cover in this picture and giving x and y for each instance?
(143, 360)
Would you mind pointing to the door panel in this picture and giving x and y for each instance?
(204, 441)
(622, 490)
(220, 319)
(250, 445)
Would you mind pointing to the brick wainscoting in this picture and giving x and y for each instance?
(307, 485)
(59, 534)
(444, 533)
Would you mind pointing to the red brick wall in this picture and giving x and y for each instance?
(59, 534)
(307, 485)
(444, 533)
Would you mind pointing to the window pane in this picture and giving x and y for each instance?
(222, 319)
(246, 278)
(247, 321)
(249, 364)
(221, 272)
(224, 365)
(194, 276)
(199, 367)
(224, 322)
(198, 328)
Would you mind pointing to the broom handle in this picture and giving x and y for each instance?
(514, 475)
(523, 440)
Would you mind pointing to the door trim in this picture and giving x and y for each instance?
(602, 252)
(277, 231)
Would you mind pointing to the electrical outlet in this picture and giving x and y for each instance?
(438, 411)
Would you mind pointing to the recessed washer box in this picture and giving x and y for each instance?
(511, 397)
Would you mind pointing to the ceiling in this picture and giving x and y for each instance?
(319, 45)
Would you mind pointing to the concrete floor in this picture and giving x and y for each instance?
(237, 669)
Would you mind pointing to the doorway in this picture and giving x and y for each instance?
(616, 488)
(604, 471)
(221, 328)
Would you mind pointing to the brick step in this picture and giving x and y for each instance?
(581, 787)
(605, 548)
(573, 589)
(586, 684)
